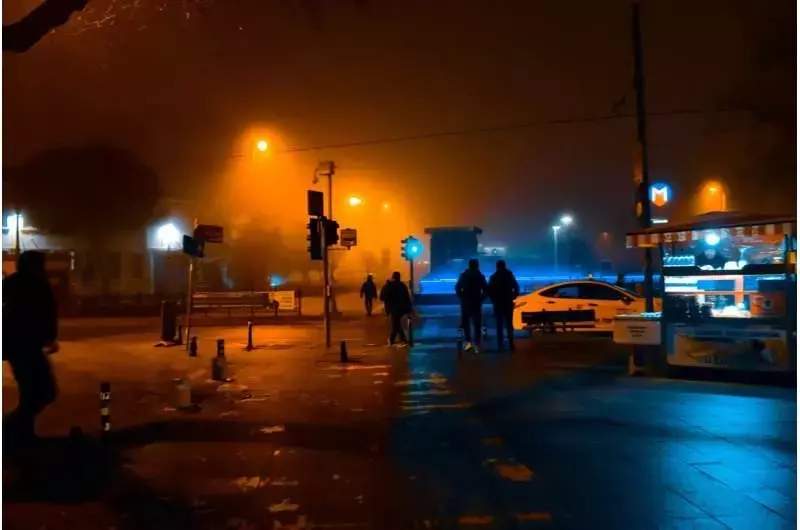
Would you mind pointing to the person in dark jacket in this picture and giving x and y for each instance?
(503, 290)
(369, 292)
(397, 301)
(471, 290)
(30, 325)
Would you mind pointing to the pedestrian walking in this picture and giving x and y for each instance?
(30, 325)
(471, 291)
(369, 292)
(503, 290)
(397, 302)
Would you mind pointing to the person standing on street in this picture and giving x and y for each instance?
(369, 292)
(397, 301)
(503, 290)
(30, 324)
(471, 290)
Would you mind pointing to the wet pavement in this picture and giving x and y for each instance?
(425, 438)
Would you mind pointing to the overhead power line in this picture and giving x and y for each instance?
(504, 128)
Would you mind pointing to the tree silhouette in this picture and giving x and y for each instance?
(92, 192)
(23, 35)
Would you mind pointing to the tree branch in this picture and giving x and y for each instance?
(23, 35)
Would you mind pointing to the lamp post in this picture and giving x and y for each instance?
(556, 228)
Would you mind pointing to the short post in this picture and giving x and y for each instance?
(250, 336)
(179, 335)
(343, 352)
(193, 347)
(105, 408)
(182, 394)
(299, 302)
(275, 307)
(219, 365)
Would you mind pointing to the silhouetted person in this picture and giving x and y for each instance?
(369, 292)
(471, 290)
(503, 290)
(620, 280)
(397, 301)
(30, 324)
(385, 307)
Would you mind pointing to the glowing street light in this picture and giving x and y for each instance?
(566, 220)
(262, 145)
(713, 197)
(385, 206)
(355, 201)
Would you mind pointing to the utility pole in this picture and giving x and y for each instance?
(641, 175)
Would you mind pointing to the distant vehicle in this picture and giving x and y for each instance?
(605, 299)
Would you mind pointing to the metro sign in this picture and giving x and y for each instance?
(660, 194)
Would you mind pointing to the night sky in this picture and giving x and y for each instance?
(179, 82)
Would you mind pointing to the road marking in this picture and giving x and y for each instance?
(412, 382)
(474, 520)
(432, 392)
(436, 406)
(533, 516)
(514, 472)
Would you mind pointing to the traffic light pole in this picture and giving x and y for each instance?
(189, 288)
(411, 292)
(326, 289)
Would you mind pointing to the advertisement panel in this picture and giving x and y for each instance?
(757, 349)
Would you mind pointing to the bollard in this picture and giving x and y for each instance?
(182, 394)
(179, 336)
(343, 352)
(193, 347)
(219, 365)
(105, 410)
(250, 336)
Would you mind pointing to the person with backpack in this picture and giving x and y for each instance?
(369, 292)
(503, 290)
(471, 291)
(396, 299)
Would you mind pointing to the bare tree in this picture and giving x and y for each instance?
(23, 35)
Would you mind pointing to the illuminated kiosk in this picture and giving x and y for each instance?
(729, 289)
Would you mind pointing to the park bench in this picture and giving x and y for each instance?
(230, 301)
(553, 321)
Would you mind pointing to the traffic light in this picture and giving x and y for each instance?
(331, 232)
(410, 248)
(314, 239)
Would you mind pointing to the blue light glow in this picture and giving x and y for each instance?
(276, 281)
(711, 239)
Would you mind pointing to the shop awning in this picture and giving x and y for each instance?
(738, 223)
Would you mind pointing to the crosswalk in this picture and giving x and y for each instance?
(470, 478)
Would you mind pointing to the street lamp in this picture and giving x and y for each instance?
(262, 145)
(716, 195)
(566, 220)
(556, 228)
(355, 201)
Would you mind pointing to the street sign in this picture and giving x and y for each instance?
(208, 233)
(326, 169)
(316, 201)
(348, 237)
(192, 247)
(660, 194)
